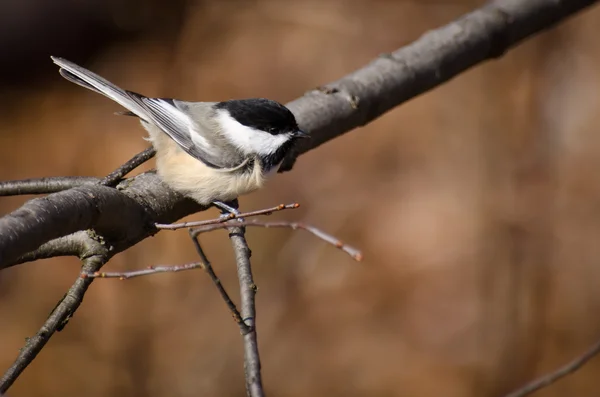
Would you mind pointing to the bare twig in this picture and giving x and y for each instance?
(143, 272)
(61, 314)
(204, 264)
(230, 216)
(217, 282)
(43, 185)
(117, 175)
(248, 290)
(561, 372)
(353, 252)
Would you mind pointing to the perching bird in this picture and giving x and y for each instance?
(212, 152)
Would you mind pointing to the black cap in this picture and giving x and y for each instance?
(261, 114)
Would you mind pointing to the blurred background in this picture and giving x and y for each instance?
(476, 206)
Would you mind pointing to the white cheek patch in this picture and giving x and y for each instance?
(249, 140)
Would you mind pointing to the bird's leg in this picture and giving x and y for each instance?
(231, 207)
(228, 209)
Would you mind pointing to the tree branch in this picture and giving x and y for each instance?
(94, 251)
(554, 376)
(117, 175)
(248, 290)
(43, 185)
(123, 217)
(328, 238)
(144, 272)
(71, 245)
(230, 216)
(58, 184)
(436, 57)
(237, 317)
(95, 255)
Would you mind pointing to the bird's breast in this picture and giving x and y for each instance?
(204, 184)
(191, 177)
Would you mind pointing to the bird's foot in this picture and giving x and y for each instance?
(229, 210)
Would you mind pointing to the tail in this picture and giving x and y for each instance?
(83, 77)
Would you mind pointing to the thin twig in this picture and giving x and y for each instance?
(204, 264)
(117, 175)
(43, 185)
(353, 252)
(561, 372)
(143, 272)
(61, 314)
(248, 290)
(217, 282)
(230, 216)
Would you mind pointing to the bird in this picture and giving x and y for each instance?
(212, 152)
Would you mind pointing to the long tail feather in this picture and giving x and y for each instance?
(87, 79)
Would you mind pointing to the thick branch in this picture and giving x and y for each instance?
(123, 216)
(435, 58)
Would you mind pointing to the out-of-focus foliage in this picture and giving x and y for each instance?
(476, 206)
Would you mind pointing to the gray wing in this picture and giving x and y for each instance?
(192, 137)
(195, 136)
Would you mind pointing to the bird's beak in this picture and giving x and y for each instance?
(301, 134)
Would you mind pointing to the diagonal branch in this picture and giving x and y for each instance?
(237, 317)
(328, 238)
(558, 374)
(117, 175)
(95, 255)
(435, 58)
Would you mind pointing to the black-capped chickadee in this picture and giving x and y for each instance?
(212, 152)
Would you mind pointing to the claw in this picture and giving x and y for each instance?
(228, 210)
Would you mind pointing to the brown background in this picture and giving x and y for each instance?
(476, 206)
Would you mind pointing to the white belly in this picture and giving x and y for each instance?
(194, 179)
